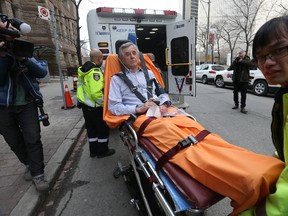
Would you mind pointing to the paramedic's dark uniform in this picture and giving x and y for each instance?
(90, 96)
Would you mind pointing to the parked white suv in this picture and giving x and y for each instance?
(259, 85)
(257, 82)
(206, 72)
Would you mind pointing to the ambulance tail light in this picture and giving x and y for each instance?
(104, 51)
(102, 44)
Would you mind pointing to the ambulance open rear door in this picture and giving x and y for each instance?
(180, 61)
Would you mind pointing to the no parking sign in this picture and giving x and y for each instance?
(44, 13)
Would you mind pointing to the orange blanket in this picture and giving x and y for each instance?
(234, 172)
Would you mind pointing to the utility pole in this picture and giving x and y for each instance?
(58, 57)
(207, 35)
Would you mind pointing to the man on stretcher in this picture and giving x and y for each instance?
(243, 176)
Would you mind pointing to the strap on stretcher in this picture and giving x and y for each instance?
(190, 140)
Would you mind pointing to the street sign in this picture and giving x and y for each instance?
(44, 13)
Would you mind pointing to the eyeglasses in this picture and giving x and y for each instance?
(275, 54)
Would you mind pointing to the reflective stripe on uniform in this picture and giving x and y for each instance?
(99, 140)
(93, 139)
(103, 140)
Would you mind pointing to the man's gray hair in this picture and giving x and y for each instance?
(124, 46)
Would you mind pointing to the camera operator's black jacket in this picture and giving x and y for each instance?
(29, 70)
(241, 69)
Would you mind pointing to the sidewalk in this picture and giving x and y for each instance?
(19, 197)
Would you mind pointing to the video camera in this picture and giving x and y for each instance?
(10, 28)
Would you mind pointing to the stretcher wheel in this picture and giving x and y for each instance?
(117, 173)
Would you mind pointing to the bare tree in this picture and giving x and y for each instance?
(201, 36)
(268, 10)
(284, 10)
(217, 45)
(230, 35)
(247, 11)
(78, 42)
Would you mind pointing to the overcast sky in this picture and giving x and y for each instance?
(87, 5)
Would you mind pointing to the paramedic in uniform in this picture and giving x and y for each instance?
(90, 86)
(256, 174)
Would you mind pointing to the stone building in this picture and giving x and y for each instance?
(42, 30)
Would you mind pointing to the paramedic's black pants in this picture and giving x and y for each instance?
(97, 130)
(242, 87)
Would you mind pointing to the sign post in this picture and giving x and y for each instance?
(44, 13)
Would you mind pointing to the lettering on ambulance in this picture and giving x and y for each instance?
(102, 33)
(179, 26)
(126, 30)
(179, 80)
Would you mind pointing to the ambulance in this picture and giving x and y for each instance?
(161, 32)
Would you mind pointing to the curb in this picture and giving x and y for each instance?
(32, 198)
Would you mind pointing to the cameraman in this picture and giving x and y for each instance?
(19, 125)
(241, 72)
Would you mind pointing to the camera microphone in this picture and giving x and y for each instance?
(23, 27)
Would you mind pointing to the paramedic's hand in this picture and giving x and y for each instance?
(144, 107)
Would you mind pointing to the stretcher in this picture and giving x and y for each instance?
(170, 191)
(180, 167)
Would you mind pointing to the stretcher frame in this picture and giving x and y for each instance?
(171, 199)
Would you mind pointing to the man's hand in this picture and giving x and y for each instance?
(144, 107)
(163, 108)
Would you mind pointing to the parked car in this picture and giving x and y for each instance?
(259, 85)
(223, 78)
(206, 72)
(257, 82)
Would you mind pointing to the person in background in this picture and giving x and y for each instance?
(270, 51)
(152, 57)
(241, 72)
(90, 86)
(163, 75)
(19, 100)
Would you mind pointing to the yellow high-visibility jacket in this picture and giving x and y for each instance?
(90, 85)
(276, 204)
